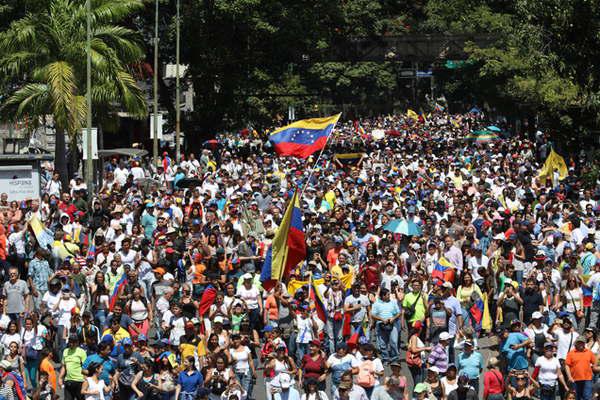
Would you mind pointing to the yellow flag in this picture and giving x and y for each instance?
(553, 162)
(412, 115)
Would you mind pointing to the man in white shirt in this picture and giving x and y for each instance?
(565, 337)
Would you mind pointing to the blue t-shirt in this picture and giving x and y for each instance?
(385, 310)
(190, 383)
(108, 367)
(517, 359)
(471, 364)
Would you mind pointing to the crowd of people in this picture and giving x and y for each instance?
(149, 287)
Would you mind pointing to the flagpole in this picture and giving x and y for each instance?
(312, 170)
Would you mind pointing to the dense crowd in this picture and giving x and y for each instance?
(149, 287)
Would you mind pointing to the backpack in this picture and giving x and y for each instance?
(366, 374)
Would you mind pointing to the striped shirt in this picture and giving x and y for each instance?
(439, 358)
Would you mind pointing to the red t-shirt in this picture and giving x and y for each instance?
(371, 274)
(313, 368)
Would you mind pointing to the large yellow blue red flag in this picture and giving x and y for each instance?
(288, 248)
(302, 138)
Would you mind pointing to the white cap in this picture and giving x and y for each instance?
(447, 285)
(247, 275)
(434, 369)
(218, 320)
(285, 381)
(445, 336)
(537, 315)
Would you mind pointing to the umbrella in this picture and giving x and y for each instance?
(188, 183)
(493, 128)
(405, 227)
(212, 144)
(482, 136)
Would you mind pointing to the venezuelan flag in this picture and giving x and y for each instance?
(443, 270)
(115, 293)
(288, 248)
(477, 312)
(348, 159)
(303, 138)
(587, 295)
(316, 301)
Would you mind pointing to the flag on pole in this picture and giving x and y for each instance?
(553, 162)
(288, 248)
(303, 138)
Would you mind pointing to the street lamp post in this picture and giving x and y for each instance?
(89, 162)
(155, 86)
(177, 89)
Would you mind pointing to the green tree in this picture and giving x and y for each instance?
(543, 60)
(43, 57)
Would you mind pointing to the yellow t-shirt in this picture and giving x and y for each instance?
(120, 335)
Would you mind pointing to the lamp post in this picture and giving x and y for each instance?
(89, 162)
(155, 86)
(177, 90)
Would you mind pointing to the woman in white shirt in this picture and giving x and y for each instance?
(140, 312)
(243, 363)
(549, 373)
(572, 300)
(93, 387)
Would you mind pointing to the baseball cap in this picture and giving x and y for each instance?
(445, 336)
(421, 388)
(447, 285)
(537, 315)
(127, 341)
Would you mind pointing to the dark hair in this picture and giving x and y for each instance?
(92, 368)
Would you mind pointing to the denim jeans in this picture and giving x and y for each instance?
(245, 380)
(595, 315)
(100, 317)
(583, 390)
(333, 333)
(548, 392)
(31, 368)
(387, 342)
(474, 384)
(417, 374)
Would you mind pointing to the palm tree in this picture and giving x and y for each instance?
(43, 58)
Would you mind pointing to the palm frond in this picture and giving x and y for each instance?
(133, 98)
(113, 11)
(124, 41)
(31, 99)
(61, 81)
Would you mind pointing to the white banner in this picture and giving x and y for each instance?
(84, 145)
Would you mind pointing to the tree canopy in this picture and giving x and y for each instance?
(251, 59)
